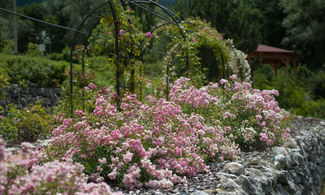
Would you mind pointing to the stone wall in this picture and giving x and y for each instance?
(297, 167)
(22, 97)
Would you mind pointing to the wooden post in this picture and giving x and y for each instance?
(294, 62)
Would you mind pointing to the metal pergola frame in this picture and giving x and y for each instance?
(165, 14)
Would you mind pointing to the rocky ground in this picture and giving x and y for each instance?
(297, 167)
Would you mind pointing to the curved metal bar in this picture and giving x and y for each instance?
(117, 52)
(72, 49)
(48, 23)
(86, 45)
(173, 18)
(152, 31)
(166, 11)
(151, 11)
(167, 69)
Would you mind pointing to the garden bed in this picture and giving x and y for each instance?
(297, 167)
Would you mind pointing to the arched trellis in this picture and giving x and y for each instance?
(141, 4)
(223, 50)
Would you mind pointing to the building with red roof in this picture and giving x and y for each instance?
(274, 56)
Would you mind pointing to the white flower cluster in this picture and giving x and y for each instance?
(238, 62)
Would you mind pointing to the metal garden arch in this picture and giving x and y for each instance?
(165, 14)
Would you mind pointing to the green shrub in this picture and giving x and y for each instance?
(3, 81)
(318, 85)
(63, 56)
(296, 94)
(316, 108)
(33, 50)
(26, 70)
(263, 76)
(26, 125)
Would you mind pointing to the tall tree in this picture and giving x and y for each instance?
(5, 22)
(271, 22)
(305, 30)
(237, 20)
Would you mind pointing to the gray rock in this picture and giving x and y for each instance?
(290, 143)
(249, 185)
(32, 85)
(235, 168)
(33, 92)
(253, 161)
(229, 185)
(3, 103)
(221, 175)
(280, 161)
(199, 193)
(15, 93)
(280, 191)
(279, 150)
(47, 101)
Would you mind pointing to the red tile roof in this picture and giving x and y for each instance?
(268, 49)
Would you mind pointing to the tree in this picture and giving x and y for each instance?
(305, 30)
(237, 20)
(28, 30)
(5, 22)
(271, 22)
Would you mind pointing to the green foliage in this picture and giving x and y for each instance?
(202, 53)
(291, 94)
(26, 125)
(317, 83)
(131, 41)
(33, 50)
(272, 30)
(297, 95)
(64, 55)
(237, 20)
(80, 96)
(26, 70)
(305, 30)
(7, 47)
(3, 81)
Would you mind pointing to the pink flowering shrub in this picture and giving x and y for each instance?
(19, 174)
(152, 144)
(156, 143)
(250, 117)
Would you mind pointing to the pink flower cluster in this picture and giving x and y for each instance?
(236, 108)
(154, 140)
(183, 93)
(20, 175)
(156, 143)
